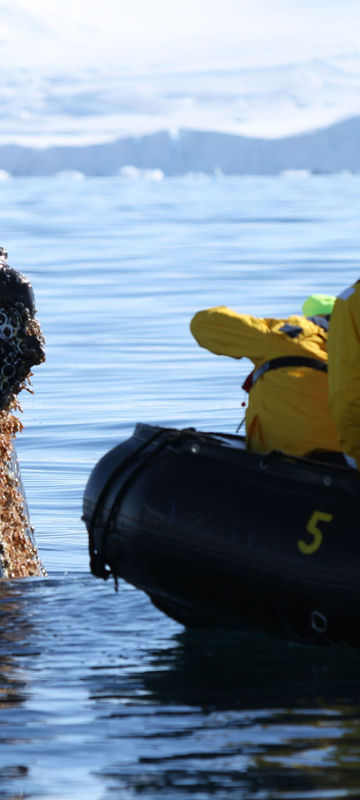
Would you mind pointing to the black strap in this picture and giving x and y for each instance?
(288, 361)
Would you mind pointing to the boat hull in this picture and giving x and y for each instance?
(219, 537)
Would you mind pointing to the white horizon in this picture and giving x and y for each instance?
(78, 71)
(62, 34)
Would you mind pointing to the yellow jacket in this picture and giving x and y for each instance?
(344, 370)
(287, 407)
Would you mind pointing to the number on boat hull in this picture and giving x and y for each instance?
(313, 529)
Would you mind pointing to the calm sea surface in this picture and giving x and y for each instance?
(102, 696)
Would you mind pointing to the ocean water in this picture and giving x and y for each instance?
(101, 695)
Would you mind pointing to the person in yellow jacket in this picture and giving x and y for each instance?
(288, 389)
(344, 371)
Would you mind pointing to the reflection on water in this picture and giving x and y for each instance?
(105, 688)
(250, 670)
(13, 630)
(246, 716)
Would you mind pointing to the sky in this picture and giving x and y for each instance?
(81, 70)
(58, 34)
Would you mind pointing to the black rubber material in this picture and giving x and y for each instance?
(220, 537)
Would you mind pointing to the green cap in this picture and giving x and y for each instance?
(318, 304)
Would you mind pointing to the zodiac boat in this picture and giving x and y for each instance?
(222, 538)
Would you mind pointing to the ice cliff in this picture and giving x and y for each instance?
(332, 149)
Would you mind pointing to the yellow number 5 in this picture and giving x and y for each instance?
(313, 528)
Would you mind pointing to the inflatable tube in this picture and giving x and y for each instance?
(220, 537)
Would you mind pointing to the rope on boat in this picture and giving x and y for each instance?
(97, 549)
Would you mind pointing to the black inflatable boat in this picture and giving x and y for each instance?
(220, 537)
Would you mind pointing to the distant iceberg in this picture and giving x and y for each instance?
(296, 173)
(328, 150)
(70, 175)
(130, 171)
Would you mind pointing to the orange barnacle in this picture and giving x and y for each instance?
(18, 556)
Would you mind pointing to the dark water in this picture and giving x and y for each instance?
(101, 695)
